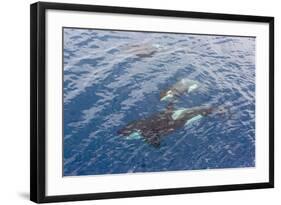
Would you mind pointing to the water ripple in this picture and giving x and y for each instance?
(112, 78)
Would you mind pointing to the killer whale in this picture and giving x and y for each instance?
(178, 89)
(144, 50)
(153, 128)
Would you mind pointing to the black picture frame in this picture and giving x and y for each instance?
(38, 101)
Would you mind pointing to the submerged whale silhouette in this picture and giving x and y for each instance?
(155, 127)
(178, 89)
(143, 50)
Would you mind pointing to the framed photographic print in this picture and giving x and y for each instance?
(129, 102)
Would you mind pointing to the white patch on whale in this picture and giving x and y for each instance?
(192, 87)
(179, 113)
(195, 118)
(134, 136)
(168, 95)
(184, 85)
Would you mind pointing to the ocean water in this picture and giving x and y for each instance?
(112, 78)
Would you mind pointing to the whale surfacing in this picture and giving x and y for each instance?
(155, 127)
(144, 50)
(178, 89)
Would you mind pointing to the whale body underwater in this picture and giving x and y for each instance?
(144, 50)
(153, 128)
(157, 126)
(184, 86)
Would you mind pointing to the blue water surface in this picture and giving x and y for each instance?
(112, 78)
